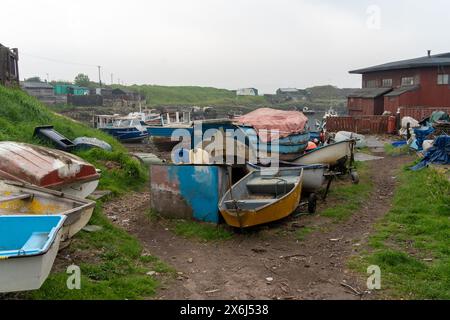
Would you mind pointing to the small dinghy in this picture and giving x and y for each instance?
(314, 176)
(28, 248)
(47, 168)
(259, 198)
(20, 199)
(331, 155)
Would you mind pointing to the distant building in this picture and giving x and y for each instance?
(102, 92)
(417, 83)
(124, 94)
(9, 66)
(43, 91)
(68, 89)
(247, 92)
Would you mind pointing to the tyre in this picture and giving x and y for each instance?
(312, 203)
(355, 177)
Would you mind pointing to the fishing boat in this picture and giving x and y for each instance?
(332, 154)
(287, 149)
(23, 199)
(47, 168)
(28, 248)
(124, 129)
(259, 199)
(314, 176)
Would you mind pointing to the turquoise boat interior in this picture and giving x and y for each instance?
(28, 235)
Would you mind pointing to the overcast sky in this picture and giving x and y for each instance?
(265, 44)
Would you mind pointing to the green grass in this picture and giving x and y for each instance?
(301, 234)
(392, 151)
(200, 96)
(345, 198)
(117, 269)
(118, 272)
(20, 114)
(201, 231)
(417, 228)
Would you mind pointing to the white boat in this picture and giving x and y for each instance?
(23, 199)
(47, 168)
(331, 154)
(28, 248)
(313, 175)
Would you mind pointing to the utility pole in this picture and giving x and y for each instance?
(99, 76)
(112, 79)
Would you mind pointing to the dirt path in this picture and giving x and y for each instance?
(265, 264)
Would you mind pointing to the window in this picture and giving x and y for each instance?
(372, 84)
(443, 79)
(387, 83)
(407, 81)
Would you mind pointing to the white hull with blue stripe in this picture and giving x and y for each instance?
(28, 248)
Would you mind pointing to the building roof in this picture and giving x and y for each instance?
(422, 62)
(288, 90)
(369, 93)
(402, 90)
(36, 85)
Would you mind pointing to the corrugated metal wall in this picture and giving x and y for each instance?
(359, 124)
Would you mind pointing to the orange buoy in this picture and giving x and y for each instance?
(311, 146)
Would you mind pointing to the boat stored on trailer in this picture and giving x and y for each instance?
(314, 176)
(28, 248)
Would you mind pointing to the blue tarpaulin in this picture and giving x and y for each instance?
(421, 135)
(438, 154)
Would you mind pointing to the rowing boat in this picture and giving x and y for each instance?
(21, 199)
(331, 154)
(314, 176)
(259, 199)
(28, 248)
(47, 168)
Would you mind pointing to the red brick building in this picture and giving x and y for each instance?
(408, 84)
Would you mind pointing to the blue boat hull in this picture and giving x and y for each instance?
(289, 148)
(126, 134)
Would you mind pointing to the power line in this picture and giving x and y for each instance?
(59, 61)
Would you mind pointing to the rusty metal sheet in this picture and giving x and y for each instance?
(187, 191)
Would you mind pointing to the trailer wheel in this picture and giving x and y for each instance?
(312, 203)
(355, 177)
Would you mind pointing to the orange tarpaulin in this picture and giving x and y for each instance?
(271, 124)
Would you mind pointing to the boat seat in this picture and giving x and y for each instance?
(272, 185)
(36, 241)
(14, 197)
(248, 204)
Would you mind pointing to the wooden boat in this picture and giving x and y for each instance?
(47, 168)
(259, 199)
(28, 248)
(314, 176)
(331, 154)
(18, 198)
(288, 148)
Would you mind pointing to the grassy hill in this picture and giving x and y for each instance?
(119, 269)
(20, 114)
(200, 96)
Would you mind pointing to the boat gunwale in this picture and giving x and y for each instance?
(50, 242)
(322, 148)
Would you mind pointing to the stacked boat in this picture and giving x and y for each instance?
(269, 193)
(42, 203)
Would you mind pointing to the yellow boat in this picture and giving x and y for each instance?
(262, 197)
(18, 198)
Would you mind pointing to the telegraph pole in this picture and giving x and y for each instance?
(112, 79)
(99, 76)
